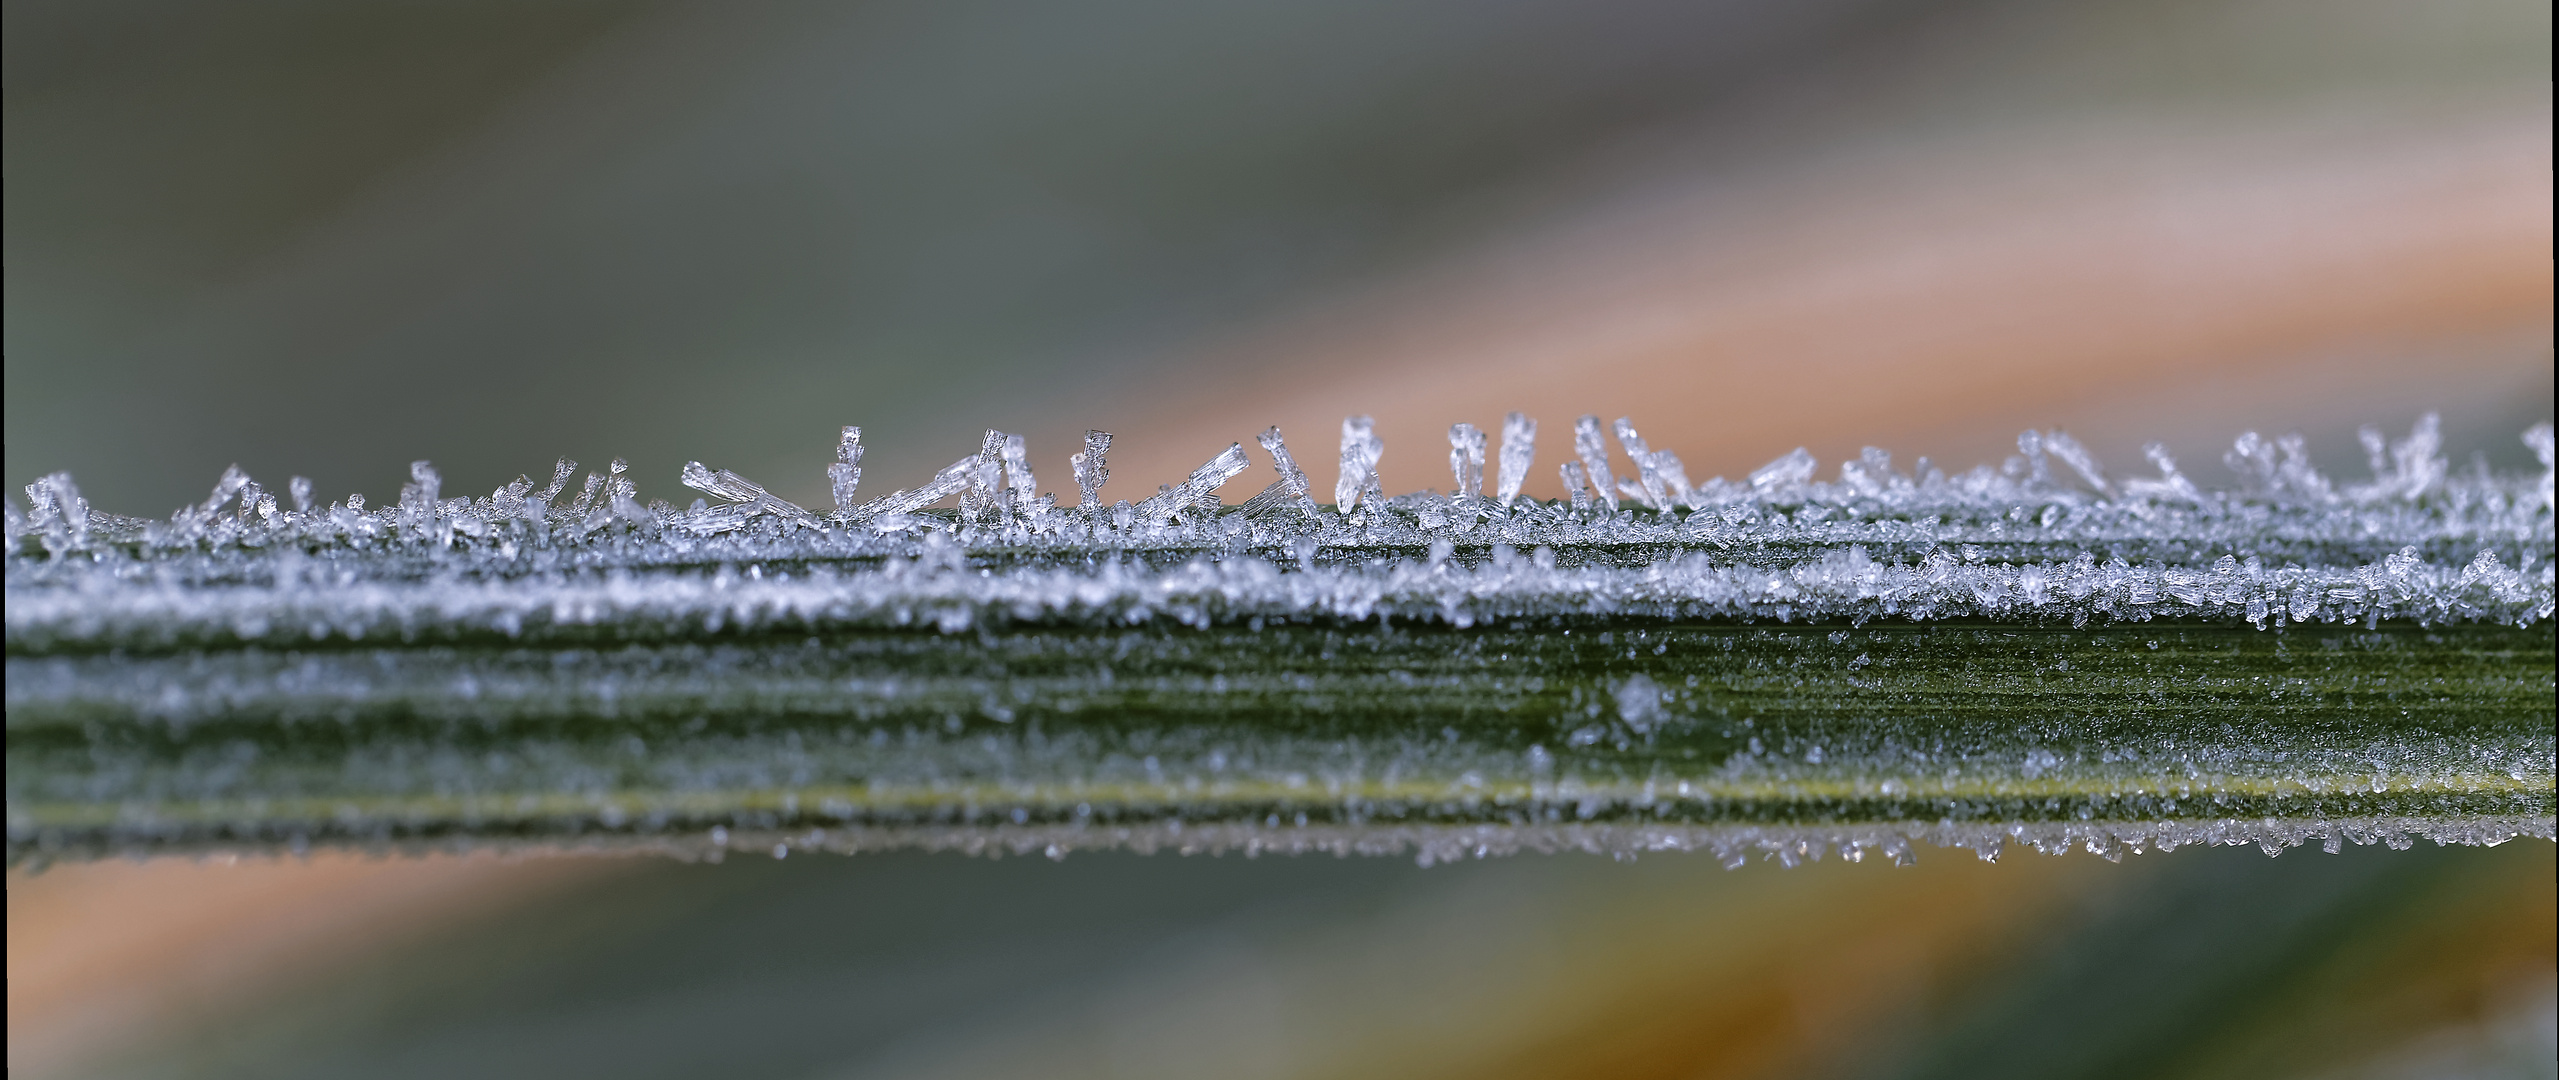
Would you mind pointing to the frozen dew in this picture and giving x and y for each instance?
(1361, 452)
(1092, 469)
(1519, 451)
(745, 500)
(1196, 492)
(1592, 449)
(1291, 493)
(1785, 473)
(844, 476)
(1466, 460)
(248, 604)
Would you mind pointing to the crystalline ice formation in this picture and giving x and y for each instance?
(1361, 452)
(1519, 450)
(1292, 492)
(1466, 460)
(2417, 544)
(1092, 469)
(1593, 452)
(844, 477)
(542, 604)
(745, 497)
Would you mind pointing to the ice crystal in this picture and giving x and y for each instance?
(1519, 451)
(844, 477)
(1466, 460)
(1361, 452)
(1593, 451)
(1567, 673)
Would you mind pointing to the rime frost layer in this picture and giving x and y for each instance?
(2025, 542)
(147, 657)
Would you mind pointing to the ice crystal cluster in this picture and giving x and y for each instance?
(2036, 652)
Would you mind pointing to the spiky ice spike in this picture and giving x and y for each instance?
(588, 489)
(1592, 448)
(1519, 451)
(1466, 460)
(190, 522)
(1576, 486)
(418, 497)
(59, 512)
(747, 495)
(844, 477)
(2410, 468)
(1200, 490)
(1092, 470)
(1871, 476)
(1361, 452)
(2172, 483)
(981, 499)
(300, 487)
(892, 509)
(1650, 485)
(1292, 492)
(1788, 473)
(2060, 445)
(508, 499)
(561, 471)
(1021, 487)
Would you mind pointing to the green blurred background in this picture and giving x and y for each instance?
(328, 239)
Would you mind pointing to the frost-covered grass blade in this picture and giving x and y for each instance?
(2033, 653)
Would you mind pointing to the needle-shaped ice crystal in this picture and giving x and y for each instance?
(1519, 451)
(560, 473)
(2060, 445)
(953, 479)
(58, 510)
(2409, 467)
(1466, 460)
(982, 499)
(1291, 492)
(1652, 480)
(1361, 452)
(1794, 469)
(1592, 448)
(1577, 486)
(1200, 490)
(844, 477)
(744, 493)
(1022, 488)
(2172, 483)
(1092, 469)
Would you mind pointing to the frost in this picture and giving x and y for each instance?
(745, 497)
(2285, 546)
(1519, 451)
(1092, 469)
(844, 477)
(1573, 650)
(1291, 493)
(1593, 452)
(1466, 460)
(1361, 452)
(1785, 473)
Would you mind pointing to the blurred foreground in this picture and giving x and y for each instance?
(2204, 962)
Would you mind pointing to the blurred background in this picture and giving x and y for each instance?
(328, 239)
